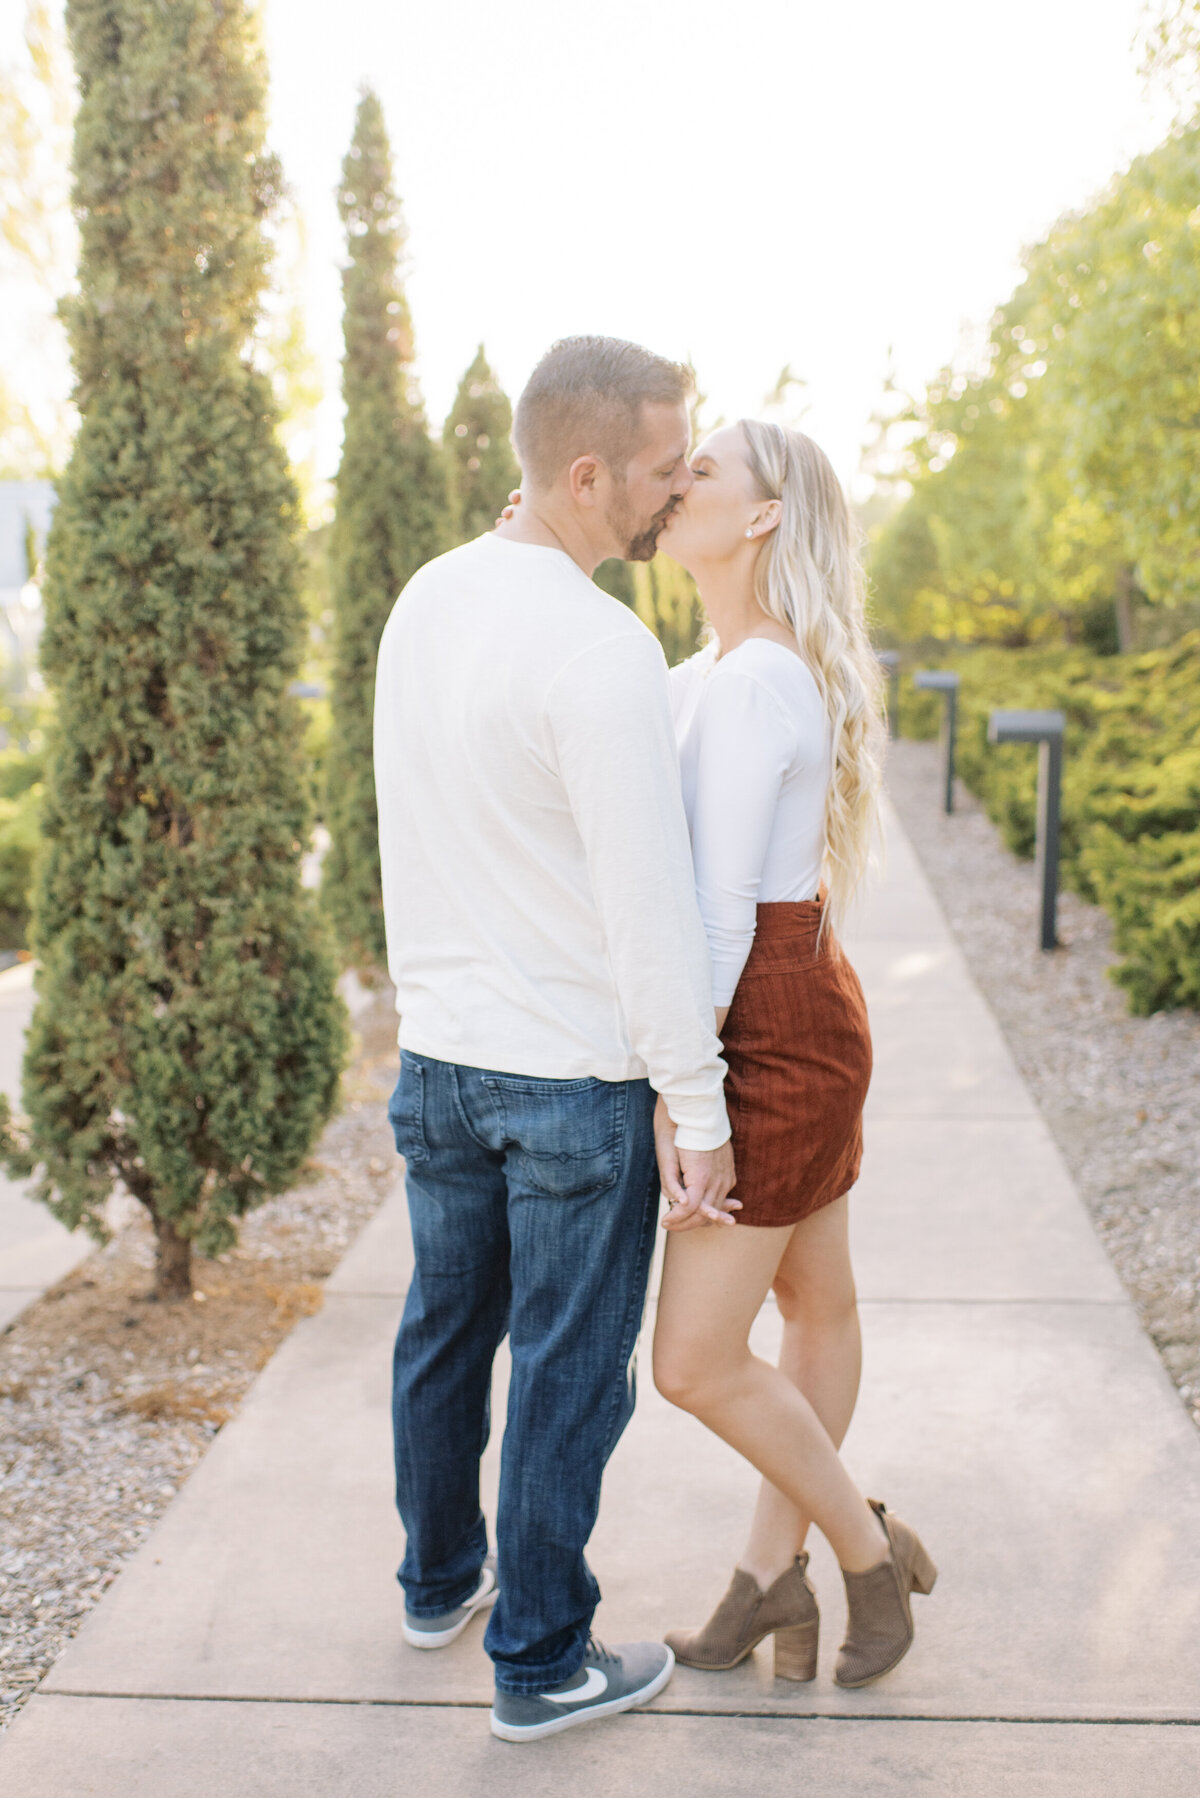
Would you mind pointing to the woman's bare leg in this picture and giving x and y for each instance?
(821, 1354)
(714, 1283)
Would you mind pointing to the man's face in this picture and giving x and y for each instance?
(654, 482)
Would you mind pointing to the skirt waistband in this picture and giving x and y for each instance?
(789, 917)
(786, 933)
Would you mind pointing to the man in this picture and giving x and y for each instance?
(551, 975)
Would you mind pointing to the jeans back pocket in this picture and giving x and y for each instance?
(562, 1137)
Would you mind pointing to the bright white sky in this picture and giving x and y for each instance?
(748, 182)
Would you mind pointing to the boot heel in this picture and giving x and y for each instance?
(796, 1651)
(924, 1574)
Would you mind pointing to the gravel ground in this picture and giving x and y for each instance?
(1121, 1094)
(109, 1398)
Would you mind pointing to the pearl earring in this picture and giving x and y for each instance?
(750, 533)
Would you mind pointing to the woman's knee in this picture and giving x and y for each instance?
(674, 1372)
(826, 1305)
(683, 1372)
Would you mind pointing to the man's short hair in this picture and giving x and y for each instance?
(585, 397)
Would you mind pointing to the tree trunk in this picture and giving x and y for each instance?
(173, 1271)
(1123, 603)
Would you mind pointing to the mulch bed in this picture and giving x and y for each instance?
(108, 1397)
(1121, 1094)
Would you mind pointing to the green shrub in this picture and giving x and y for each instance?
(1131, 789)
(1151, 888)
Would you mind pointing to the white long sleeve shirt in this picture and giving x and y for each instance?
(538, 895)
(755, 755)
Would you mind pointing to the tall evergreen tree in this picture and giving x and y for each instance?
(477, 438)
(391, 517)
(188, 1039)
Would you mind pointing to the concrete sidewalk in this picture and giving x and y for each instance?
(1011, 1408)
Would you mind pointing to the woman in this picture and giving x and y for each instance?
(779, 737)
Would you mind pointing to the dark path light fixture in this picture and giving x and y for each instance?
(1046, 730)
(937, 680)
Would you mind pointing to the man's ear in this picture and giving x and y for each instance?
(583, 480)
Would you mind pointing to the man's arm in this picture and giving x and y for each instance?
(610, 721)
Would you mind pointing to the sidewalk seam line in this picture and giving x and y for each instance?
(1097, 1304)
(1171, 1721)
(937, 1299)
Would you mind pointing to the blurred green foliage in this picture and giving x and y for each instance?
(665, 598)
(393, 514)
(316, 597)
(477, 441)
(23, 725)
(1054, 492)
(615, 577)
(1131, 789)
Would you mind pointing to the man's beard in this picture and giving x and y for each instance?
(643, 545)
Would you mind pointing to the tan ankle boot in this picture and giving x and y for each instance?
(787, 1610)
(879, 1627)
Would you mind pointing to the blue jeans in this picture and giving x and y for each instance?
(533, 1206)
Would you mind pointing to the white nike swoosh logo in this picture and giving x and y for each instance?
(595, 1683)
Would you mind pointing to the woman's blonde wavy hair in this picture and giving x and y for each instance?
(809, 579)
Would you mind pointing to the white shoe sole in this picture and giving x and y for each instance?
(441, 1638)
(530, 1732)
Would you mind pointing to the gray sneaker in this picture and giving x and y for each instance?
(609, 1681)
(438, 1632)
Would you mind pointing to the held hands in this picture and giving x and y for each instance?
(697, 1182)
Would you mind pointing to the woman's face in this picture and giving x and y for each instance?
(710, 523)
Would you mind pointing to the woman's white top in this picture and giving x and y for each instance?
(755, 755)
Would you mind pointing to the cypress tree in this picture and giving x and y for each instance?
(391, 517)
(477, 438)
(188, 1039)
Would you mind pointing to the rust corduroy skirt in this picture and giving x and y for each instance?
(798, 1047)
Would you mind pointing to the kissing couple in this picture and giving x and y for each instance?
(611, 896)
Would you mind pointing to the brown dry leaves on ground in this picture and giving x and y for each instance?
(108, 1398)
(1120, 1094)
